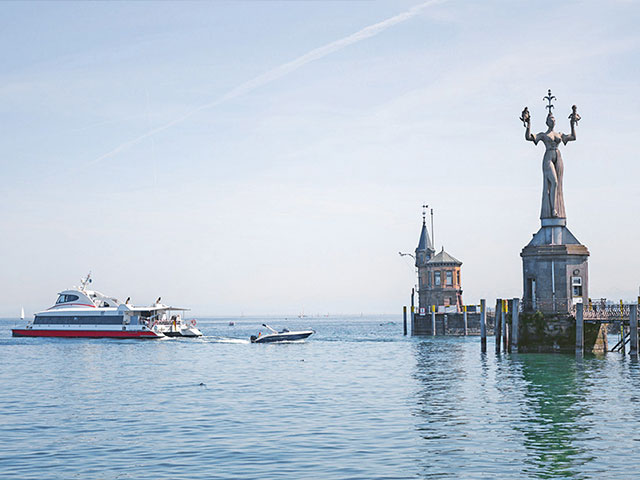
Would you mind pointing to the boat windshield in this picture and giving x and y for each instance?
(66, 299)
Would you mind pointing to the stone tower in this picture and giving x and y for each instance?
(439, 281)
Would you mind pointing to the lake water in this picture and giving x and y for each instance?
(355, 401)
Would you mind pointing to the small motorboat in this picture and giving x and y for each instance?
(284, 335)
(177, 327)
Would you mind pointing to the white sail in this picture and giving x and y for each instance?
(22, 313)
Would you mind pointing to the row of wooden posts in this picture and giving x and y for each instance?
(506, 335)
(433, 319)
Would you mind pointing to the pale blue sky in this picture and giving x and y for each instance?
(297, 190)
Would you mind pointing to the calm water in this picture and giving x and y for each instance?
(356, 401)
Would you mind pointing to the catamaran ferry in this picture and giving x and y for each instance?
(80, 312)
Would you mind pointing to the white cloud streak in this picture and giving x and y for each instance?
(281, 71)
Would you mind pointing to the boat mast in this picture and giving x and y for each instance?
(85, 281)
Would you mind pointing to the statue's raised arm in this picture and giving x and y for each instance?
(525, 118)
(574, 118)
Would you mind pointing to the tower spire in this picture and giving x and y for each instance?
(424, 250)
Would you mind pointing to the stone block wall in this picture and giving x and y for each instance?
(557, 333)
(451, 324)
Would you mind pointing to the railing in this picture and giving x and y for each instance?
(604, 311)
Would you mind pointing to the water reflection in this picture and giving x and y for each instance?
(503, 416)
(439, 373)
(552, 415)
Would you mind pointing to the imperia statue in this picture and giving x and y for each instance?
(552, 167)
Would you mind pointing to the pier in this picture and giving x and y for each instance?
(620, 316)
(591, 323)
(467, 321)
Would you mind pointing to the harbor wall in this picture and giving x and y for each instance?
(544, 333)
(451, 324)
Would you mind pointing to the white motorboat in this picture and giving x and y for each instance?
(172, 324)
(80, 312)
(284, 335)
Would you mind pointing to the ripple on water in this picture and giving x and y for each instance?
(357, 400)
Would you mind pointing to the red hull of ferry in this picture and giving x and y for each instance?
(27, 332)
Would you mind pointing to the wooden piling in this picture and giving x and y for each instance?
(633, 331)
(505, 326)
(515, 323)
(445, 324)
(579, 329)
(433, 320)
(413, 311)
(483, 325)
(464, 318)
(404, 319)
(623, 349)
(498, 325)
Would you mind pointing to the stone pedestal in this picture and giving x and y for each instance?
(549, 333)
(555, 269)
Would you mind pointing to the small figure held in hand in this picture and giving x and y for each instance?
(525, 118)
(573, 116)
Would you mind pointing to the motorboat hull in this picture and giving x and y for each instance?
(282, 337)
(184, 332)
(32, 332)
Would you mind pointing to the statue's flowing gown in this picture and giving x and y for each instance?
(553, 170)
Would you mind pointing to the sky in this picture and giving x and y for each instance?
(272, 157)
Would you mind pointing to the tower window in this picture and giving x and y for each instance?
(436, 279)
(458, 277)
(449, 278)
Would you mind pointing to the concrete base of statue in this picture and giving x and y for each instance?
(555, 270)
(556, 333)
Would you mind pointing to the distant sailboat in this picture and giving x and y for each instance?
(21, 313)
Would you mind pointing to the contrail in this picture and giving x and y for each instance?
(281, 71)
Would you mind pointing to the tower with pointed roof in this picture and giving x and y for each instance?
(424, 250)
(439, 276)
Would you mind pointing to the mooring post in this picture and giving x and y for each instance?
(515, 321)
(483, 325)
(622, 347)
(505, 326)
(633, 330)
(498, 325)
(579, 329)
(404, 319)
(445, 323)
(413, 311)
(433, 320)
(464, 318)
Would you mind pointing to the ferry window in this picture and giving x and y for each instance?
(449, 278)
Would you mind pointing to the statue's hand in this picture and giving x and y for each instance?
(525, 118)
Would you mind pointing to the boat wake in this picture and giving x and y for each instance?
(226, 340)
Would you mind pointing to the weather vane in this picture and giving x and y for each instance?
(549, 98)
(424, 211)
